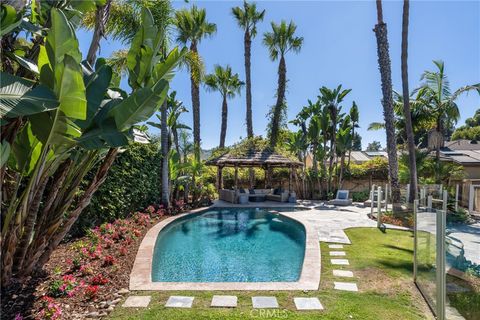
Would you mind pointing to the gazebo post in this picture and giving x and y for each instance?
(290, 180)
(266, 176)
(236, 177)
(219, 178)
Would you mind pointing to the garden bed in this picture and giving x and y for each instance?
(85, 277)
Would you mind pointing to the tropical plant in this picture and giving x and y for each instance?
(279, 42)
(471, 129)
(228, 84)
(354, 117)
(374, 146)
(331, 100)
(247, 19)
(192, 26)
(56, 148)
(387, 102)
(438, 101)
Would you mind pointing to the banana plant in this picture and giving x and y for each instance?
(83, 124)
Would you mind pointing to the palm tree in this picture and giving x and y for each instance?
(247, 19)
(406, 105)
(228, 84)
(438, 101)
(331, 100)
(354, 118)
(192, 26)
(387, 102)
(279, 42)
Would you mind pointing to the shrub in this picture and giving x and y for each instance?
(91, 292)
(64, 287)
(99, 279)
(50, 310)
(133, 182)
(360, 196)
(460, 216)
(109, 261)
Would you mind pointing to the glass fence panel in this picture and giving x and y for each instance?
(426, 254)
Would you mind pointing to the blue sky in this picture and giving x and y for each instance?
(339, 48)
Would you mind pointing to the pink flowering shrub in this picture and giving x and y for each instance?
(99, 279)
(91, 292)
(86, 270)
(50, 310)
(109, 261)
(67, 286)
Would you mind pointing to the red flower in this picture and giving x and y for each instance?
(109, 261)
(91, 292)
(99, 279)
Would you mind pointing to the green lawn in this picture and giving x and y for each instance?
(382, 263)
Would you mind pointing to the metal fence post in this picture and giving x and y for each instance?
(408, 193)
(379, 206)
(440, 264)
(429, 202)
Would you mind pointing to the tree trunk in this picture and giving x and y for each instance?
(277, 112)
(248, 83)
(223, 130)
(28, 227)
(101, 18)
(387, 102)
(165, 199)
(195, 91)
(406, 105)
(83, 202)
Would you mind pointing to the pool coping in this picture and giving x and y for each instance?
(141, 275)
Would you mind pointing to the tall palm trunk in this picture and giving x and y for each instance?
(248, 82)
(223, 131)
(387, 102)
(277, 112)
(101, 18)
(164, 150)
(195, 91)
(406, 105)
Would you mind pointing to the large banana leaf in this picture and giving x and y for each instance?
(104, 136)
(26, 150)
(164, 70)
(61, 40)
(139, 106)
(71, 91)
(10, 19)
(17, 98)
(96, 85)
(144, 48)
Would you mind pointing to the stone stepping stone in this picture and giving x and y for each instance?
(342, 273)
(337, 253)
(224, 302)
(343, 262)
(179, 302)
(264, 302)
(335, 246)
(345, 286)
(137, 302)
(307, 304)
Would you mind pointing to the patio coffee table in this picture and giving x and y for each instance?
(256, 197)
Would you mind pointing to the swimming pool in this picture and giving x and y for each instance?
(230, 245)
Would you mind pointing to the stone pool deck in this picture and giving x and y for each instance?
(328, 221)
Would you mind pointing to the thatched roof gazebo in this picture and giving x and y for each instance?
(265, 159)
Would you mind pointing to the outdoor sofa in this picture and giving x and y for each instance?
(232, 196)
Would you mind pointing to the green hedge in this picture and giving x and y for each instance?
(133, 183)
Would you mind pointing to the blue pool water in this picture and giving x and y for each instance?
(230, 245)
